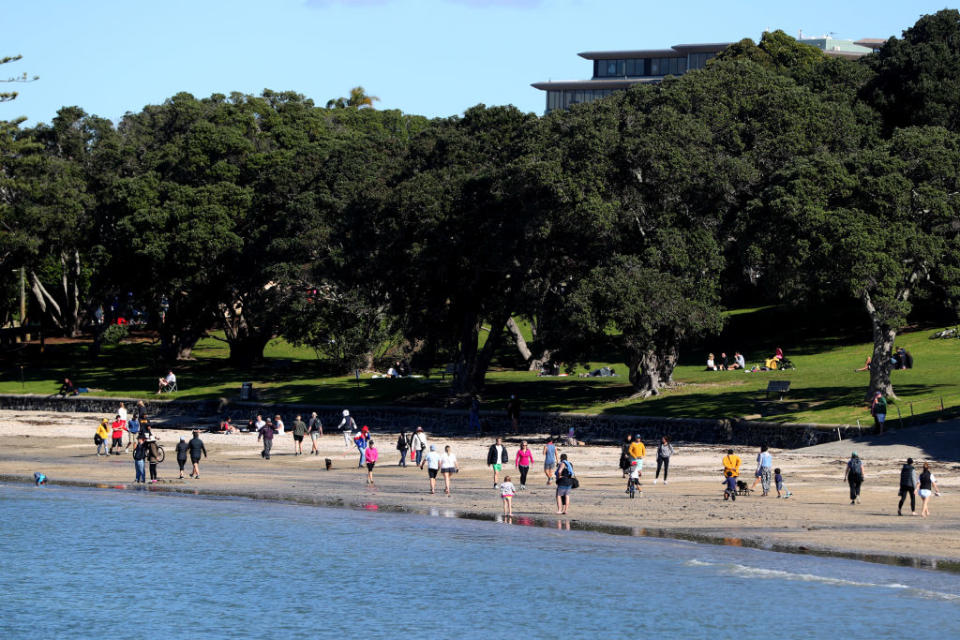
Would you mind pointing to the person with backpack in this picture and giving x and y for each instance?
(419, 444)
(908, 486)
(853, 474)
(347, 427)
(566, 482)
(316, 430)
(879, 411)
(101, 436)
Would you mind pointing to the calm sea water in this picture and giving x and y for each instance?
(79, 563)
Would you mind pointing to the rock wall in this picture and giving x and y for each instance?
(587, 427)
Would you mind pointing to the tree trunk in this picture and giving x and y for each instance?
(519, 340)
(884, 336)
(246, 341)
(652, 369)
(471, 368)
(72, 322)
(179, 346)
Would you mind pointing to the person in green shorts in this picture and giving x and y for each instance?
(497, 457)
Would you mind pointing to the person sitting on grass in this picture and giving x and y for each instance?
(711, 365)
(67, 388)
(866, 365)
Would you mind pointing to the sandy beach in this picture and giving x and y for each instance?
(818, 517)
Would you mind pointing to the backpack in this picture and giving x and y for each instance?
(856, 467)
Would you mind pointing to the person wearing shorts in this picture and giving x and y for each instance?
(432, 462)
(549, 459)
(299, 430)
(316, 430)
(448, 467)
(196, 450)
(496, 457)
(371, 454)
(565, 476)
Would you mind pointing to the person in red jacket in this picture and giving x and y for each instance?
(118, 426)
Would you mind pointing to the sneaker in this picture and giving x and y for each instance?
(494, 485)
(853, 502)
(523, 486)
(654, 481)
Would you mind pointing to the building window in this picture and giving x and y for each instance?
(699, 60)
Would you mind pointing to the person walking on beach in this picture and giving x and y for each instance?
(371, 455)
(908, 486)
(432, 460)
(764, 470)
(101, 436)
(565, 476)
(507, 491)
(316, 430)
(278, 425)
(266, 433)
(549, 460)
(196, 448)
(153, 456)
(496, 458)
(928, 486)
(299, 430)
(731, 471)
(625, 456)
(403, 444)
(448, 466)
(347, 427)
(522, 461)
(853, 474)
(419, 444)
(664, 451)
(139, 456)
(182, 448)
(133, 428)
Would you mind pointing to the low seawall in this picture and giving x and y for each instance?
(588, 427)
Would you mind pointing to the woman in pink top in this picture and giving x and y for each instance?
(371, 458)
(523, 460)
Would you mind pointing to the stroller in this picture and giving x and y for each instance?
(786, 364)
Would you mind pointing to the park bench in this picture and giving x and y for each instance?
(450, 369)
(779, 387)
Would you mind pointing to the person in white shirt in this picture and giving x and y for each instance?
(432, 460)
(259, 424)
(166, 383)
(507, 491)
(122, 413)
(419, 444)
(278, 425)
(448, 466)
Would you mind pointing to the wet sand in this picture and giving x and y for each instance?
(818, 517)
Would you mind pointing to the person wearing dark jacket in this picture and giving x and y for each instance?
(266, 432)
(196, 448)
(497, 457)
(403, 444)
(908, 486)
(182, 448)
(153, 456)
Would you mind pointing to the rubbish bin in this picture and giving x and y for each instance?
(246, 390)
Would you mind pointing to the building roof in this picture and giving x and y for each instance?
(708, 47)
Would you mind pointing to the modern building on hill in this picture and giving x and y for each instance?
(618, 70)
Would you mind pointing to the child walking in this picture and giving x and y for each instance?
(778, 478)
(507, 491)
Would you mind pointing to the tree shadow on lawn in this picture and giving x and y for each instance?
(739, 403)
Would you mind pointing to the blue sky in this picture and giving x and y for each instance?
(429, 57)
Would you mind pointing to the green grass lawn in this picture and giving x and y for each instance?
(824, 387)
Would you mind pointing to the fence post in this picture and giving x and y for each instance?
(941, 404)
(899, 417)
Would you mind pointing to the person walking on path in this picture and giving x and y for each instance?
(432, 460)
(853, 474)
(513, 412)
(139, 456)
(908, 486)
(402, 446)
(522, 461)
(664, 451)
(549, 460)
(419, 444)
(448, 467)
(928, 486)
(182, 448)
(347, 427)
(565, 476)
(153, 456)
(101, 436)
(196, 448)
(299, 430)
(764, 470)
(371, 456)
(507, 491)
(497, 457)
(266, 433)
(879, 411)
(731, 471)
(316, 431)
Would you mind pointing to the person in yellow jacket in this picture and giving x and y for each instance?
(636, 451)
(731, 471)
(101, 436)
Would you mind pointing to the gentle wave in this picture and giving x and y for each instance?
(758, 572)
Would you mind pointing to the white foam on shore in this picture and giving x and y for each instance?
(746, 571)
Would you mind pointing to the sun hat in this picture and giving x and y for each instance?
(346, 412)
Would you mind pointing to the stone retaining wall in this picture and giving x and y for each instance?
(588, 427)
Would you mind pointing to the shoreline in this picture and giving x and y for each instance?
(567, 524)
(817, 520)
